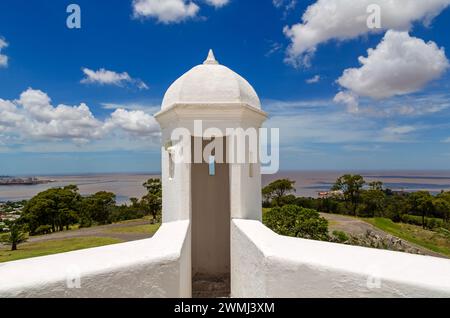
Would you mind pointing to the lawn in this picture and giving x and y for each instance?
(434, 241)
(136, 229)
(145, 218)
(28, 250)
(100, 236)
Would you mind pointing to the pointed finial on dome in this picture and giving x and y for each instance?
(211, 58)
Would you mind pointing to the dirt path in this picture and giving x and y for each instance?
(97, 231)
(349, 225)
(355, 226)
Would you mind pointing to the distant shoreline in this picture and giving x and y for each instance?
(87, 174)
(308, 182)
(343, 171)
(6, 181)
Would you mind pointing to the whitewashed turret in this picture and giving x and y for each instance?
(210, 100)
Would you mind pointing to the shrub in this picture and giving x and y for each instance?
(43, 229)
(444, 232)
(340, 237)
(343, 208)
(328, 205)
(291, 220)
(307, 203)
(363, 211)
(85, 222)
(124, 213)
(287, 200)
(430, 223)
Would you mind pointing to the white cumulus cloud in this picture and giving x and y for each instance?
(165, 11)
(172, 11)
(349, 99)
(33, 117)
(106, 77)
(285, 4)
(134, 122)
(327, 20)
(9, 116)
(313, 80)
(399, 65)
(3, 58)
(217, 3)
(43, 120)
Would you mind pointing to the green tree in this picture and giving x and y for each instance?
(292, 220)
(134, 202)
(56, 207)
(442, 208)
(267, 197)
(373, 202)
(351, 186)
(152, 201)
(396, 207)
(125, 212)
(445, 195)
(376, 185)
(97, 208)
(68, 217)
(278, 189)
(421, 204)
(15, 237)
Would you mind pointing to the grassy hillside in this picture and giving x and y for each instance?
(80, 239)
(136, 229)
(436, 241)
(36, 249)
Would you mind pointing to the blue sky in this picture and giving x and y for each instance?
(334, 110)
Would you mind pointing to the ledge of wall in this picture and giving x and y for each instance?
(156, 267)
(264, 264)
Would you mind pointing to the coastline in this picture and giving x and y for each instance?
(308, 182)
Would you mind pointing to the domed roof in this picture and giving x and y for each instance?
(210, 83)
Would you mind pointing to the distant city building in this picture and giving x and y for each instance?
(22, 181)
(330, 194)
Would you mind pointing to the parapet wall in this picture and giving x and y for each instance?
(264, 264)
(156, 267)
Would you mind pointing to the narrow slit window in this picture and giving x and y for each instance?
(171, 166)
(212, 165)
(250, 165)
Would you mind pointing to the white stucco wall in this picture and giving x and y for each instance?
(264, 264)
(245, 197)
(156, 267)
(176, 200)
